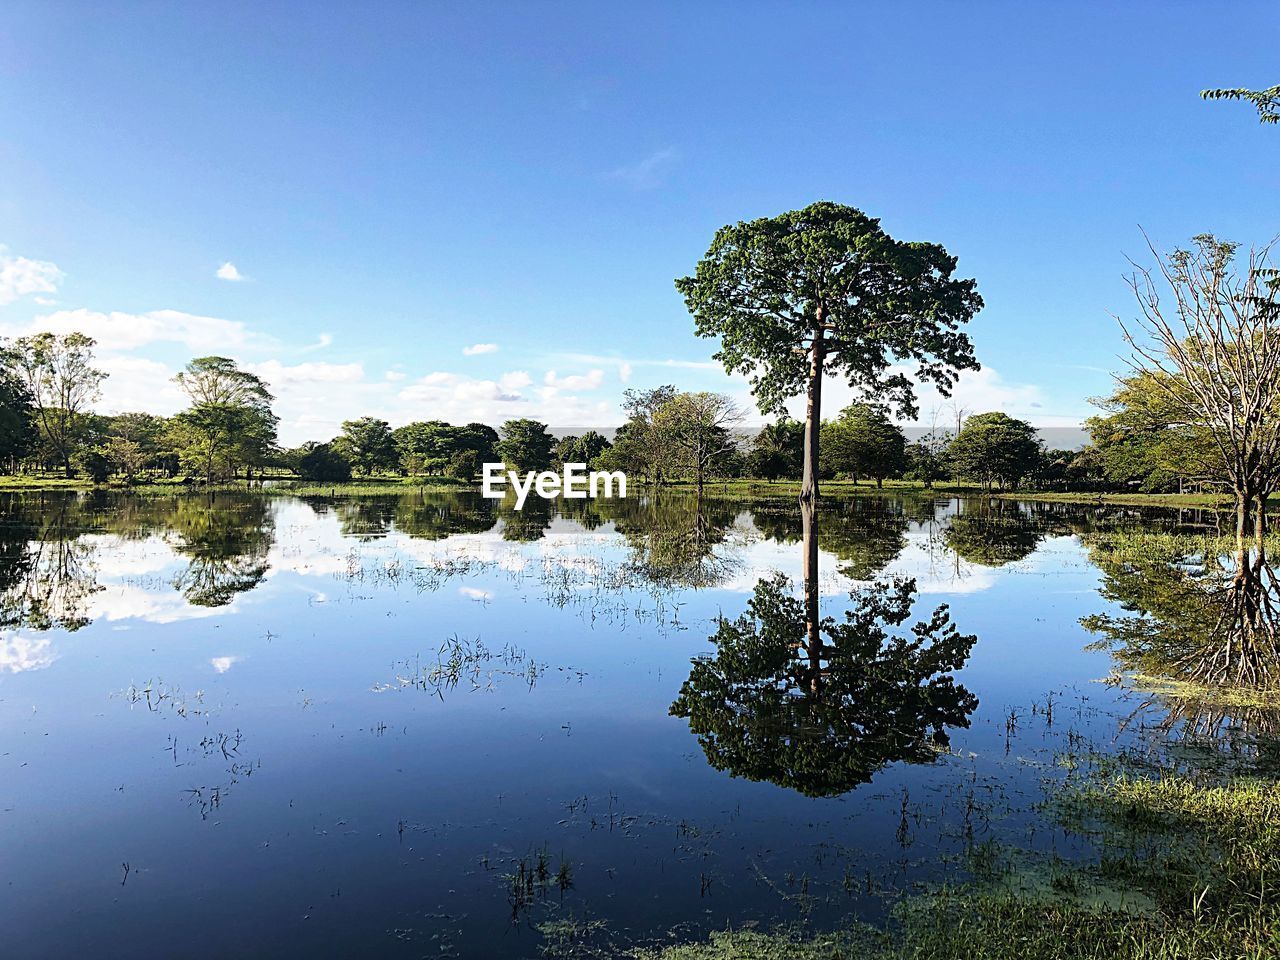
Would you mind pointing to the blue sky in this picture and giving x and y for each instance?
(396, 183)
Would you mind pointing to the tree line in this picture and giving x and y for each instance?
(47, 381)
(792, 300)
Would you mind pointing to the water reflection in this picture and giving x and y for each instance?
(1198, 626)
(676, 542)
(993, 533)
(226, 540)
(819, 704)
(47, 570)
(865, 535)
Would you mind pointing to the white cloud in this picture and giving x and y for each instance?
(460, 399)
(394, 375)
(129, 331)
(515, 380)
(324, 340)
(476, 349)
(647, 173)
(19, 653)
(138, 384)
(228, 271)
(223, 664)
(20, 276)
(977, 391)
(278, 374)
(588, 381)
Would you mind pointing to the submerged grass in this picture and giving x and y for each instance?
(1199, 853)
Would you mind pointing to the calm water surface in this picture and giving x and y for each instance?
(422, 726)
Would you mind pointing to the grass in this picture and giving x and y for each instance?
(739, 489)
(1198, 853)
(24, 482)
(372, 485)
(747, 489)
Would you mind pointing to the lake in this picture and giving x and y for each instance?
(430, 725)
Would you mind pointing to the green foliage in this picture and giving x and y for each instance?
(93, 463)
(777, 452)
(1267, 101)
(764, 285)
(463, 465)
(759, 945)
(428, 447)
(927, 459)
(323, 462)
(58, 372)
(367, 444)
(994, 448)
(18, 431)
(584, 449)
(1146, 441)
(229, 423)
(863, 442)
(525, 445)
(135, 442)
(695, 430)
(766, 707)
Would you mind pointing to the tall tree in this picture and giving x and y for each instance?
(699, 430)
(1213, 356)
(17, 412)
(825, 290)
(230, 420)
(864, 442)
(641, 441)
(58, 370)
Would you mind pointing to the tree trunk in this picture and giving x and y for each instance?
(1242, 532)
(809, 566)
(813, 409)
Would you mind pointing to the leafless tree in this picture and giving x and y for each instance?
(1208, 338)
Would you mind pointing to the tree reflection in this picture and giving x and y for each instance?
(527, 524)
(865, 534)
(676, 541)
(1191, 615)
(227, 539)
(819, 704)
(366, 518)
(47, 574)
(436, 516)
(993, 533)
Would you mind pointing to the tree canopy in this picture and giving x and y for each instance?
(766, 707)
(826, 290)
(864, 442)
(229, 422)
(525, 445)
(995, 448)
